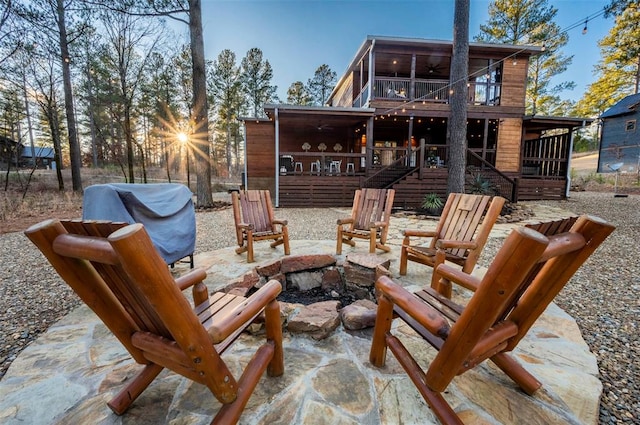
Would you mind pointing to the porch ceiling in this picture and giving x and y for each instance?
(533, 123)
(318, 119)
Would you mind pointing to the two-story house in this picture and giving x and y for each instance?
(385, 125)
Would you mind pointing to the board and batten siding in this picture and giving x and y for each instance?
(509, 147)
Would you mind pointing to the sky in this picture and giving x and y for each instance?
(297, 36)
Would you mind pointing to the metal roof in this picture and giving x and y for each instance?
(627, 105)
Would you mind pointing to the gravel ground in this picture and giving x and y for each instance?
(602, 297)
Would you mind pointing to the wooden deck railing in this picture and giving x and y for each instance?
(501, 183)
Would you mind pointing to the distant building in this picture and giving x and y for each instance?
(8, 152)
(620, 138)
(44, 157)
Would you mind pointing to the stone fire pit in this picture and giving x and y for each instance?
(318, 291)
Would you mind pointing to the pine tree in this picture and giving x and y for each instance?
(256, 76)
(457, 123)
(618, 71)
(297, 94)
(321, 85)
(224, 80)
(531, 22)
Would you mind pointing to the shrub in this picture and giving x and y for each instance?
(432, 202)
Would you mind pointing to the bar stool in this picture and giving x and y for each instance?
(298, 167)
(351, 169)
(334, 166)
(315, 167)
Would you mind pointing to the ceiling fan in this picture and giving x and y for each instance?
(434, 69)
(321, 127)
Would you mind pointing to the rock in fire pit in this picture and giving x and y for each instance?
(318, 292)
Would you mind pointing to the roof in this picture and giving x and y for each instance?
(627, 105)
(537, 122)
(41, 152)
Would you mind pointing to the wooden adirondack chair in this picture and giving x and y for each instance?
(369, 219)
(118, 273)
(459, 237)
(525, 276)
(254, 221)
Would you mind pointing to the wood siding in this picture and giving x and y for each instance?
(619, 144)
(344, 96)
(317, 191)
(514, 80)
(509, 145)
(261, 155)
(337, 191)
(537, 189)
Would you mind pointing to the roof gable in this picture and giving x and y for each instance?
(627, 105)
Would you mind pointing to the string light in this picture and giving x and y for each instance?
(585, 29)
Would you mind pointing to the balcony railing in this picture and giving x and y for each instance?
(432, 90)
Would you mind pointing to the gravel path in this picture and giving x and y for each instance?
(602, 297)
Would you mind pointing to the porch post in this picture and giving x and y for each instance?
(372, 73)
(369, 145)
(412, 82)
(408, 151)
(421, 158)
(244, 185)
(568, 188)
(277, 164)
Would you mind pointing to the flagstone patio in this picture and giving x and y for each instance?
(71, 371)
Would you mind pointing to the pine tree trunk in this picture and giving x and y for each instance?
(74, 144)
(200, 137)
(457, 123)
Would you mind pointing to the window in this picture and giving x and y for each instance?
(630, 126)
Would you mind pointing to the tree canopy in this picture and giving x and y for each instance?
(530, 22)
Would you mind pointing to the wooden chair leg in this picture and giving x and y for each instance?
(440, 284)
(285, 237)
(403, 260)
(515, 371)
(339, 241)
(384, 318)
(434, 399)
(273, 328)
(230, 413)
(372, 241)
(249, 247)
(121, 402)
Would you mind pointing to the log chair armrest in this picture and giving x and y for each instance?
(280, 222)
(423, 313)
(191, 278)
(342, 221)
(458, 276)
(245, 226)
(420, 233)
(448, 244)
(245, 311)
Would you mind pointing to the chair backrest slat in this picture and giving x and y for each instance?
(256, 209)
(462, 216)
(371, 205)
